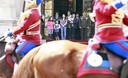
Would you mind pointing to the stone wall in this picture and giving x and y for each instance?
(9, 13)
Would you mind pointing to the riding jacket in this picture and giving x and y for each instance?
(30, 27)
(109, 22)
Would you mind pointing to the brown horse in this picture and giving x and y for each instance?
(5, 69)
(6, 61)
(55, 59)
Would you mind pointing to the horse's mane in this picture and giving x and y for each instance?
(25, 65)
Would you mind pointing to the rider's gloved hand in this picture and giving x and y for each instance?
(119, 3)
(9, 34)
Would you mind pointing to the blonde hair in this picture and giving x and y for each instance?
(28, 8)
(107, 1)
(31, 5)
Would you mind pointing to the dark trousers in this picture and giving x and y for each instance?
(69, 33)
(72, 33)
(83, 33)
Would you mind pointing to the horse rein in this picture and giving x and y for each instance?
(3, 38)
(1, 58)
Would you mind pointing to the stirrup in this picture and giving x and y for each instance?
(125, 61)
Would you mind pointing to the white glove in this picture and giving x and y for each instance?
(119, 3)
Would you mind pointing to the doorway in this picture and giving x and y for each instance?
(63, 6)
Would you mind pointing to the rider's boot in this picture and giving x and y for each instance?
(18, 56)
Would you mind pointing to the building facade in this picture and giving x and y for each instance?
(9, 13)
(63, 6)
(10, 10)
(51, 7)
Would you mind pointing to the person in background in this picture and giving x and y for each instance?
(63, 24)
(73, 26)
(57, 17)
(43, 26)
(82, 25)
(88, 27)
(92, 18)
(28, 28)
(68, 25)
(77, 28)
(56, 29)
(50, 27)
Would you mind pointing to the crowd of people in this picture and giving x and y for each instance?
(70, 26)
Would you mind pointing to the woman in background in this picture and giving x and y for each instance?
(63, 24)
(50, 27)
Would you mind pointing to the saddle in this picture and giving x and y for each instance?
(116, 61)
(99, 60)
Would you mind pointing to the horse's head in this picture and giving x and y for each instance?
(4, 68)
